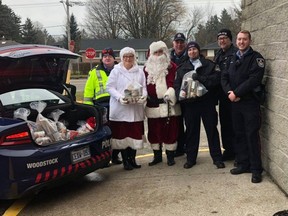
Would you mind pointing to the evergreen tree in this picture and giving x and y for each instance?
(29, 33)
(75, 34)
(208, 33)
(9, 24)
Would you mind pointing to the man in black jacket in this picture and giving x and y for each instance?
(222, 60)
(202, 107)
(178, 55)
(239, 82)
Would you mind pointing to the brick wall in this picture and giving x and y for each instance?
(268, 23)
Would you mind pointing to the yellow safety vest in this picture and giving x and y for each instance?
(95, 87)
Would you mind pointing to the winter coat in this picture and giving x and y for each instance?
(244, 74)
(118, 81)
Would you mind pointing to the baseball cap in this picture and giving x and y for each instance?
(179, 36)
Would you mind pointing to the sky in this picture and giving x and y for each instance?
(52, 13)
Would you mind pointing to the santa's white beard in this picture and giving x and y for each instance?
(156, 67)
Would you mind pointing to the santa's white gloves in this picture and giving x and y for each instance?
(166, 99)
(142, 100)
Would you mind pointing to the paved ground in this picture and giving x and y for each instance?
(161, 190)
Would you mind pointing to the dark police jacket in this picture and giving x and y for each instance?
(244, 74)
(223, 59)
(178, 59)
(206, 75)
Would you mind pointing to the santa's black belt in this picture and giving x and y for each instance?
(155, 100)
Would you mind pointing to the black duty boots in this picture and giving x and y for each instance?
(170, 158)
(131, 158)
(126, 164)
(157, 157)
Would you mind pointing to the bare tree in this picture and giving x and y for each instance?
(104, 18)
(133, 18)
(195, 17)
(150, 18)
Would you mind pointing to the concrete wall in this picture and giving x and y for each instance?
(267, 21)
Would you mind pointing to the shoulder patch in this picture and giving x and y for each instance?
(217, 68)
(260, 62)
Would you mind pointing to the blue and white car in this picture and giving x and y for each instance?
(33, 73)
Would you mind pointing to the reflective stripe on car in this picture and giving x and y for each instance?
(41, 177)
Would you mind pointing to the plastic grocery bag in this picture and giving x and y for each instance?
(191, 88)
(48, 125)
(55, 115)
(23, 113)
(133, 92)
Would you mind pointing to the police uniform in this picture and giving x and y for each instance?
(222, 59)
(178, 60)
(199, 108)
(243, 76)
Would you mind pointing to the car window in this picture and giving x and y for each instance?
(24, 96)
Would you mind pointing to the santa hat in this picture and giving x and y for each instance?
(91, 123)
(155, 46)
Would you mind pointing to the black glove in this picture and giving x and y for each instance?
(195, 76)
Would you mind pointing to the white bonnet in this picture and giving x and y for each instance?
(127, 50)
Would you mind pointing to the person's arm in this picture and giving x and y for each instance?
(89, 88)
(112, 85)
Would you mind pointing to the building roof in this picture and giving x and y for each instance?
(115, 44)
(7, 43)
(211, 46)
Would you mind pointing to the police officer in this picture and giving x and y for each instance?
(95, 87)
(198, 108)
(178, 55)
(222, 59)
(240, 81)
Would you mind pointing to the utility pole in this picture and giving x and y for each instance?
(66, 5)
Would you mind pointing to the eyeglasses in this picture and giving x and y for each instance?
(222, 38)
(128, 56)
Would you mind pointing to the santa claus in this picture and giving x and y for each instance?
(161, 109)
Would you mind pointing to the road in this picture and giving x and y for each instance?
(79, 83)
(159, 190)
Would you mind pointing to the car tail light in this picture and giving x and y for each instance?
(15, 139)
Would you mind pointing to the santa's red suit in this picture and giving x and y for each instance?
(163, 115)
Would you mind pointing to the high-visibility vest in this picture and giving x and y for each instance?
(95, 87)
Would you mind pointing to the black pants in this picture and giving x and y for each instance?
(194, 112)
(247, 122)
(181, 134)
(226, 125)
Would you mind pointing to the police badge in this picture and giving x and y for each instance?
(260, 62)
